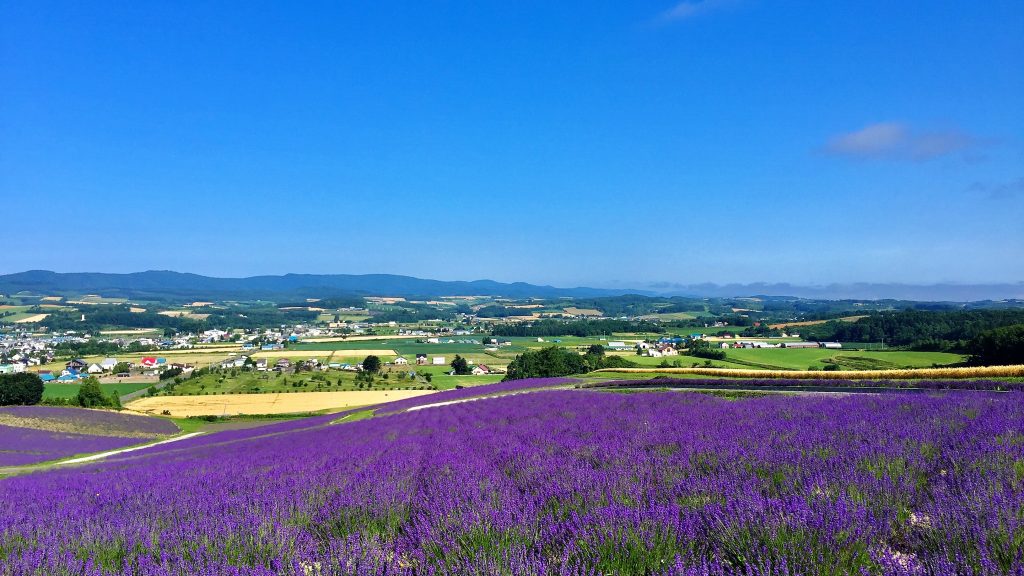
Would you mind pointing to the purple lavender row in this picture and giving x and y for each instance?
(781, 383)
(232, 436)
(22, 446)
(108, 421)
(477, 391)
(564, 482)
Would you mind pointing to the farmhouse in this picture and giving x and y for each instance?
(77, 364)
(75, 374)
(234, 362)
(800, 345)
(400, 361)
(753, 344)
(421, 359)
(95, 369)
(148, 361)
(481, 369)
(667, 350)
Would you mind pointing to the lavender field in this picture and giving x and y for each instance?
(557, 482)
(34, 434)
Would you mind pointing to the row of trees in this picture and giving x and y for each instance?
(26, 389)
(581, 328)
(555, 361)
(918, 329)
(1000, 346)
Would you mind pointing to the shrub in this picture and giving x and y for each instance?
(91, 396)
(23, 388)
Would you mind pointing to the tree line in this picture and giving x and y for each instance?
(917, 329)
(580, 328)
(555, 361)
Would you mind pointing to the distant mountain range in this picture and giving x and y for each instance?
(171, 285)
(853, 291)
(162, 285)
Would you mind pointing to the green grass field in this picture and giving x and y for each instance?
(243, 382)
(52, 390)
(802, 359)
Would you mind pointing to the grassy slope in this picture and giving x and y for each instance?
(801, 359)
(71, 390)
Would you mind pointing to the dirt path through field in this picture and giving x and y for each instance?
(102, 455)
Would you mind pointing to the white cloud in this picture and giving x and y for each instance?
(690, 8)
(897, 141)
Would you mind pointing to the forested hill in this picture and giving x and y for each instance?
(170, 285)
(926, 330)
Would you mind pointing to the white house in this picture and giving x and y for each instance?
(400, 361)
(481, 369)
(95, 369)
(11, 368)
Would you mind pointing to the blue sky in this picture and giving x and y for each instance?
(572, 143)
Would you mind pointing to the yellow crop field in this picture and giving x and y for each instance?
(582, 311)
(183, 314)
(814, 322)
(234, 404)
(31, 319)
(904, 374)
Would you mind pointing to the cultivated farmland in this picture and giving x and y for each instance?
(31, 319)
(279, 403)
(34, 434)
(911, 373)
(563, 482)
